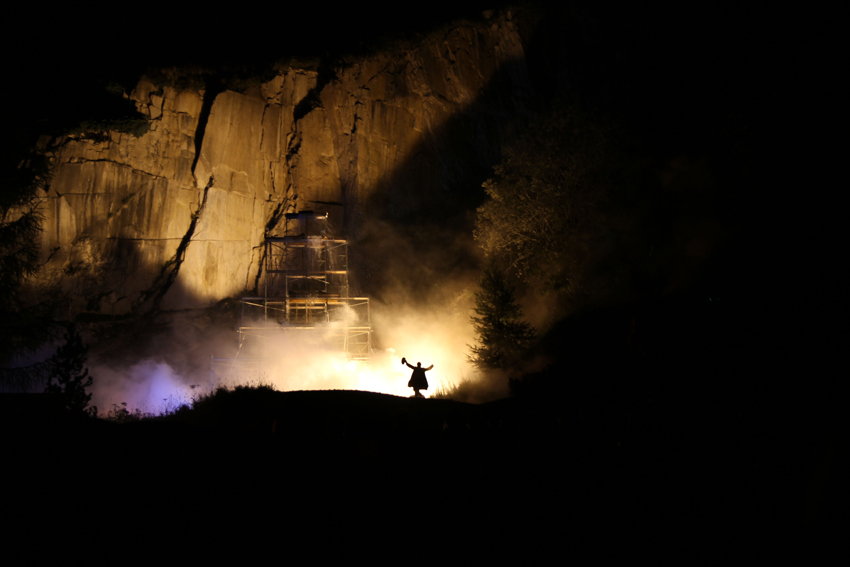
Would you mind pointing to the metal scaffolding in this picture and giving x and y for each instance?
(305, 288)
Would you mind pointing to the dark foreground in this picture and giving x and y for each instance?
(534, 475)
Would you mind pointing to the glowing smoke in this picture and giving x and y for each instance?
(309, 360)
(291, 360)
(149, 386)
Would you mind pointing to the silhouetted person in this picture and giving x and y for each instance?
(417, 379)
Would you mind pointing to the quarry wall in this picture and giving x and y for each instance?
(176, 217)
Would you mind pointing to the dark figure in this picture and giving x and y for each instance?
(417, 379)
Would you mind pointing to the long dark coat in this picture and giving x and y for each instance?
(417, 379)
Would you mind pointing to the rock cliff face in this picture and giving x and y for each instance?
(176, 218)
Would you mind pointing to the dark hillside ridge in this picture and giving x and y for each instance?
(637, 470)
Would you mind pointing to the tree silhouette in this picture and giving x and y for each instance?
(548, 201)
(21, 329)
(67, 375)
(27, 306)
(502, 334)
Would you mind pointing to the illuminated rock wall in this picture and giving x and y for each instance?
(137, 222)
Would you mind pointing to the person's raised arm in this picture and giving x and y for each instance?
(429, 368)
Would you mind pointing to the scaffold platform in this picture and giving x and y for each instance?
(305, 290)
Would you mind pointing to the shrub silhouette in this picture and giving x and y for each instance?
(503, 336)
(67, 375)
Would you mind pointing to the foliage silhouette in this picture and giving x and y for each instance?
(24, 325)
(68, 376)
(502, 335)
(546, 209)
(20, 228)
(107, 111)
(121, 414)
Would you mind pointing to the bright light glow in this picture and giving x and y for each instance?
(306, 360)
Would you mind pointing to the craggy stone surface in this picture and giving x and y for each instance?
(132, 223)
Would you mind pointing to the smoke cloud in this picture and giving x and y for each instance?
(149, 386)
(192, 356)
